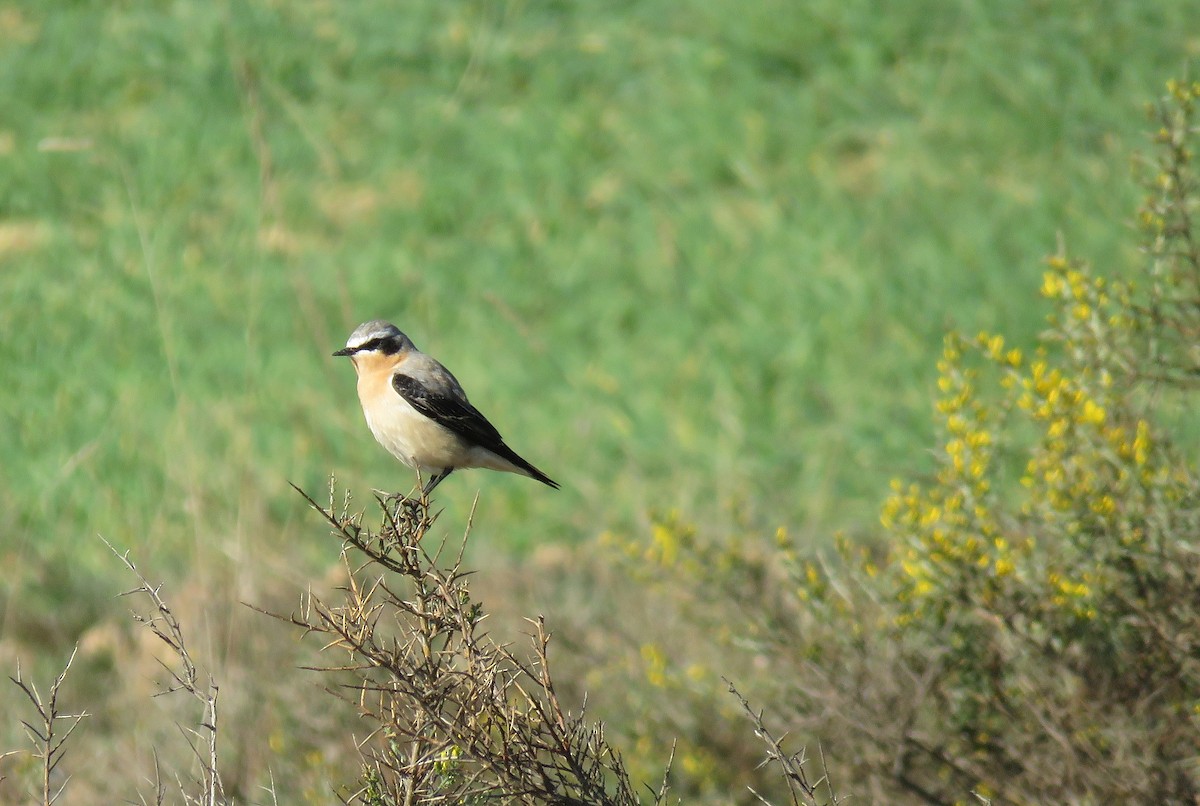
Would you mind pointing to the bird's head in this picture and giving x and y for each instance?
(376, 341)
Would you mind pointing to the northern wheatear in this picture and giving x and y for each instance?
(417, 410)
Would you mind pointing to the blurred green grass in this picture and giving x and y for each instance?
(693, 256)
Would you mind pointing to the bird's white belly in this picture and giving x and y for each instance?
(413, 438)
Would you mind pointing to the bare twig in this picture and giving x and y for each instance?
(801, 792)
(166, 626)
(49, 743)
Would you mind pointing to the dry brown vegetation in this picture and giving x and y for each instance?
(449, 714)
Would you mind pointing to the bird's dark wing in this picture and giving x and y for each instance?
(451, 411)
(449, 408)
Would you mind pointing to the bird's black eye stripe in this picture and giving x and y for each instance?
(388, 345)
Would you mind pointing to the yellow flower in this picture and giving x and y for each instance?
(979, 439)
(656, 665)
(995, 346)
(666, 543)
(1092, 413)
(1141, 443)
(1078, 284)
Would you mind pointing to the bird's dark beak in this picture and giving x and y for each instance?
(345, 351)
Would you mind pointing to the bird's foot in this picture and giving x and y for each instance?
(409, 504)
(384, 495)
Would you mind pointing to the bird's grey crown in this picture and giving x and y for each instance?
(379, 332)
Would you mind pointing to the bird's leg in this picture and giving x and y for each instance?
(413, 503)
(435, 481)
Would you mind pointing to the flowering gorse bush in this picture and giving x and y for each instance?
(1067, 601)
(1029, 630)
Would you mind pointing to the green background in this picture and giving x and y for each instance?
(686, 256)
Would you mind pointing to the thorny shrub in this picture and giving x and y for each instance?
(452, 715)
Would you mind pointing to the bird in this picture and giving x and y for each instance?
(418, 411)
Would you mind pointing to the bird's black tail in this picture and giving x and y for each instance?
(529, 470)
